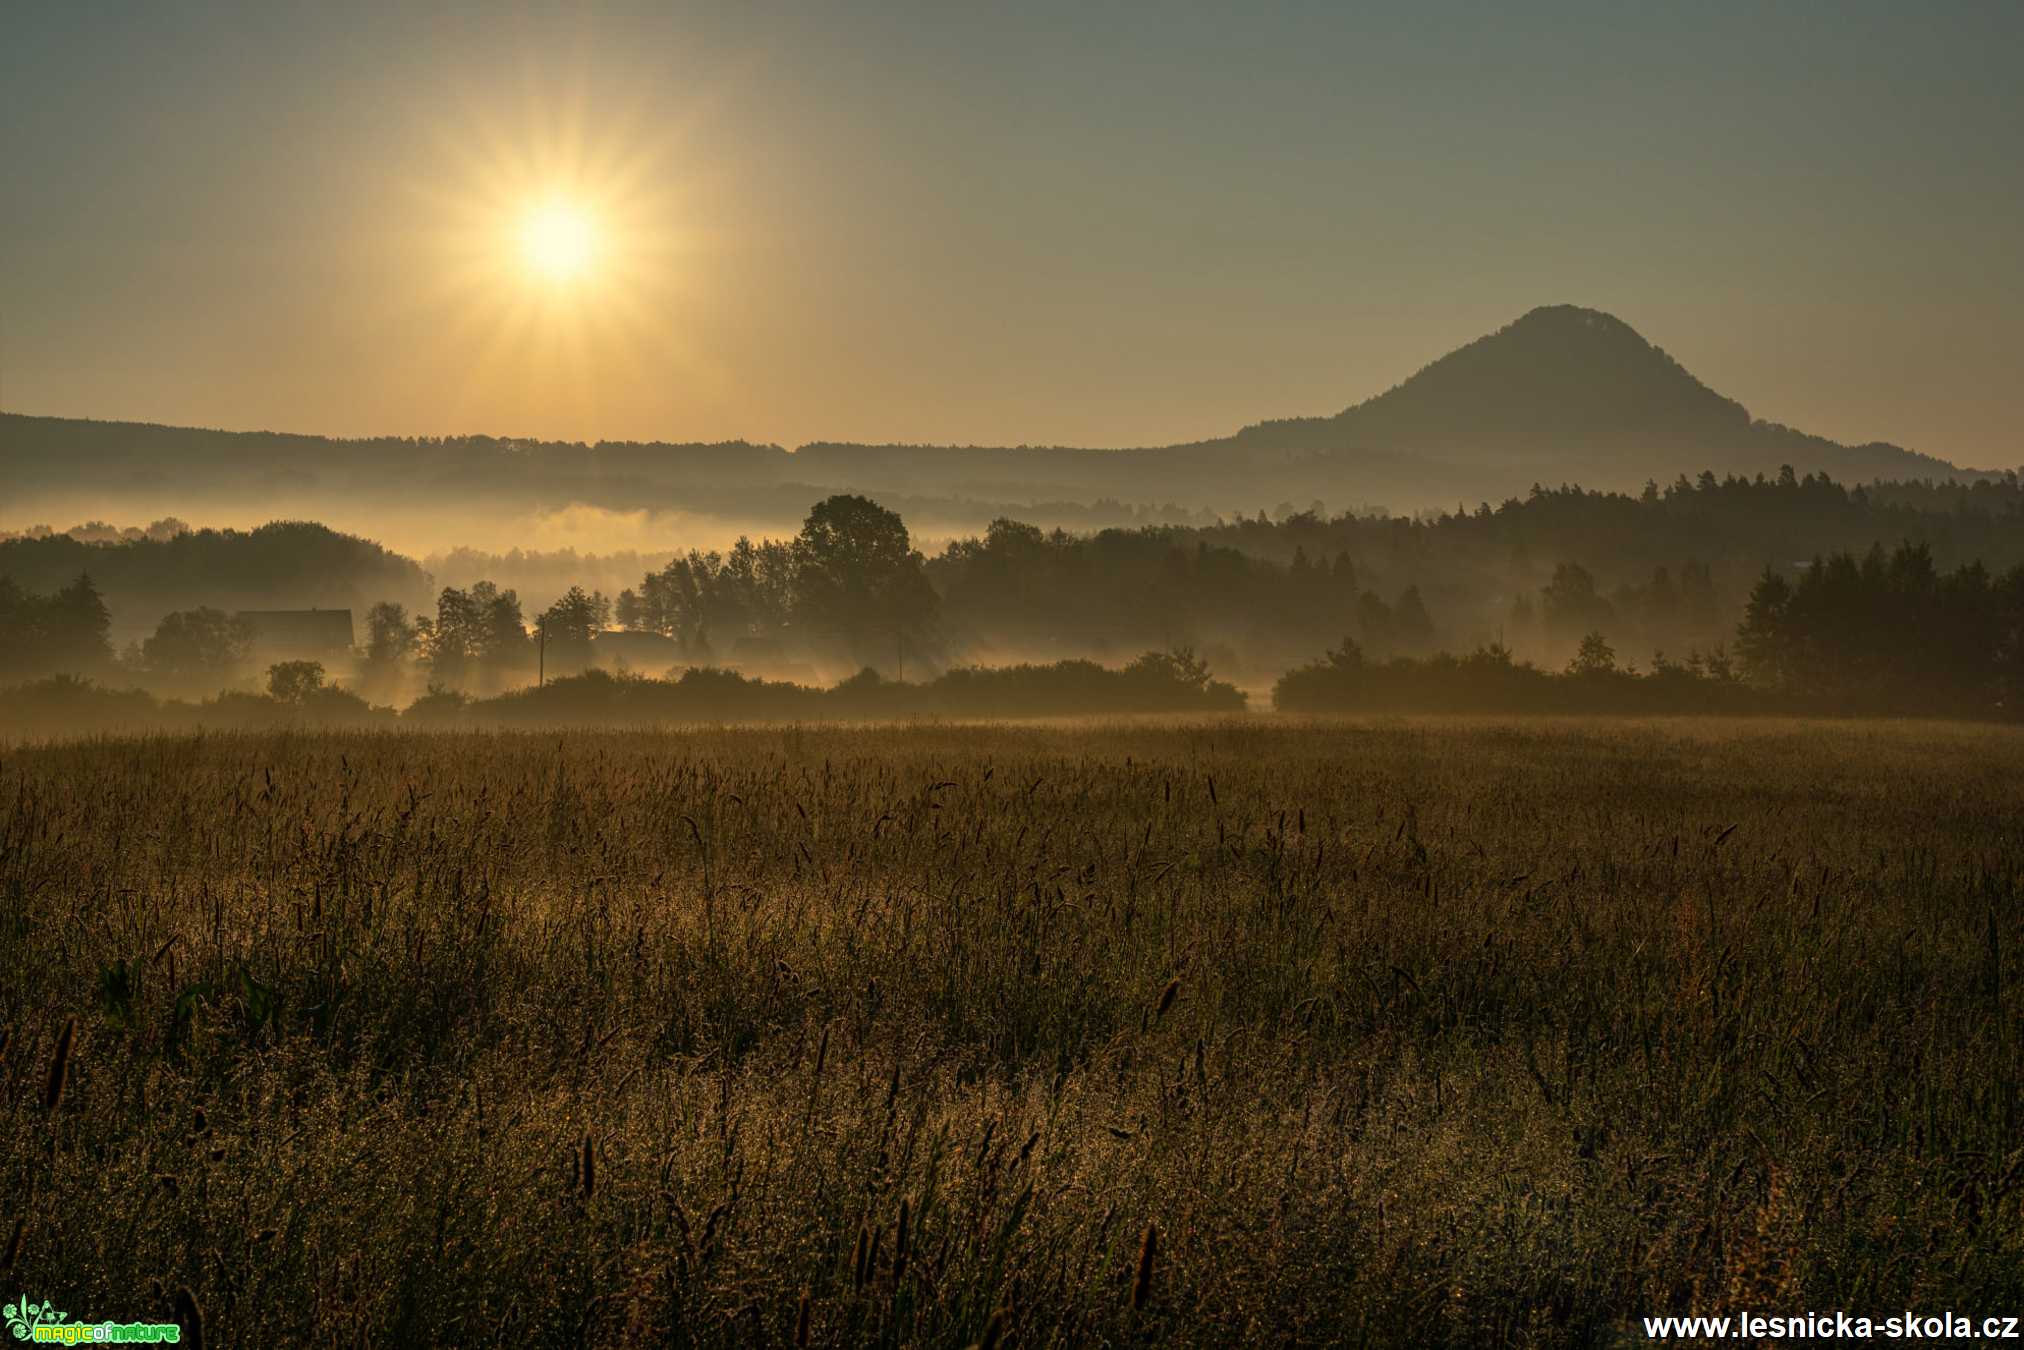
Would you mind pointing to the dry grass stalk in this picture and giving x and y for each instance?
(1142, 1284)
(59, 1066)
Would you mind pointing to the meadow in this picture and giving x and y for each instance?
(1407, 1032)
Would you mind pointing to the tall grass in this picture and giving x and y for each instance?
(1431, 1033)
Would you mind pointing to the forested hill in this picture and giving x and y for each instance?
(1562, 395)
(283, 565)
(40, 455)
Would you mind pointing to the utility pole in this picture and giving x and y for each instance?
(541, 652)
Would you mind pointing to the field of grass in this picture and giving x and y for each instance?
(1405, 1033)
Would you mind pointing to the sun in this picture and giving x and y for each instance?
(557, 253)
(558, 241)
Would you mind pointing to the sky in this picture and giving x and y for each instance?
(1089, 223)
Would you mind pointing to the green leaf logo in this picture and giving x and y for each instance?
(23, 1317)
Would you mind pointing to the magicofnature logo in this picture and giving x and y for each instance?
(42, 1323)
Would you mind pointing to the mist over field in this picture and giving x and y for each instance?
(1011, 676)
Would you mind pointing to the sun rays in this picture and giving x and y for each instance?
(560, 252)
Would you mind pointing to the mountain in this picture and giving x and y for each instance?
(1559, 378)
(1580, 393)
(1562, 395)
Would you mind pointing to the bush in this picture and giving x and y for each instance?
(1154, 683)
(1487, 680)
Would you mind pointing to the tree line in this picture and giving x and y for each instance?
(850, 581)
(297, 694)
(142, 575)
(1889, 633)
(1886, 633)
(1671, 566)
(1253, 597)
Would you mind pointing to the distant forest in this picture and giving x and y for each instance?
(1879, 635)
(1669, 569)
(1700, 595)
(146, 574)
